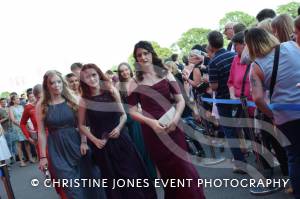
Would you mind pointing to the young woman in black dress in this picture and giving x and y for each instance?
(113, 150)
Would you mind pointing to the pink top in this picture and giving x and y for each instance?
(236, 77)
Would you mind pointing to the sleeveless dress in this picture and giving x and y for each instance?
(164, 149)
(18, 111)
(63, 147)
(119, 158)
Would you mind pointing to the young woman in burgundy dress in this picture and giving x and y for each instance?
(155, 90)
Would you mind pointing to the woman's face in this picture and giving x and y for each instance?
(144, 57)
(91, 78)
(124, 71)
(239, 48)
(73, 83)
(194, 59)
(16, 100)
(55, 85)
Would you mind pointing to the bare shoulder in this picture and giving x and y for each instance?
(132, 85)
(81, 102)
(256, 70)
(38, 109)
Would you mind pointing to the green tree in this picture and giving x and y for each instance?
(4, 94)
(131, 61)
(190, 38)
(162, 52)
(289, 8)
(114, 68)
(237, 16)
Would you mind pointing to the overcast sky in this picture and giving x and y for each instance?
(38, 35)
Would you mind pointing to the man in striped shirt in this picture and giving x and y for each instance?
(218, 70)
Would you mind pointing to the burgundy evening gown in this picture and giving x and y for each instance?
(167, 154)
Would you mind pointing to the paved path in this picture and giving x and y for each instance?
(21, 178)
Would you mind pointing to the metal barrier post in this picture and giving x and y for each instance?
(6, 181)
(213, 160)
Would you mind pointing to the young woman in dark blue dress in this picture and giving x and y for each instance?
(62, 148)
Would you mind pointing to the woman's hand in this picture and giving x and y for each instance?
(197, 117)
(172, 125)
(43, 163)
(114, 133)
(32, 141)
(83, 148)
(185, 75)
(157, 127)
(99, 143)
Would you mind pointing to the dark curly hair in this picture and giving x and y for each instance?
(159, 67)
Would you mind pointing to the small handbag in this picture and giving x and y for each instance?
(33, 135)
(168, 116)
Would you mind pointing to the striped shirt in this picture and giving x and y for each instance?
(218, 71)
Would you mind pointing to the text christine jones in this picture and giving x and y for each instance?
(173, 183)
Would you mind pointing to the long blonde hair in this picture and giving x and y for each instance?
(66, 93)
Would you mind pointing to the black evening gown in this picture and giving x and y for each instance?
(119, 158)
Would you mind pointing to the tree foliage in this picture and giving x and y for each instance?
(192, 37)
(114, 68)
(131, 61)
(237, 16)
(4, 94)
(289, 8)
(162, 52)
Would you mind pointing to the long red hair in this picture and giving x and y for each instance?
(105, 84)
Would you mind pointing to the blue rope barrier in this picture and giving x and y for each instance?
(277, 107)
